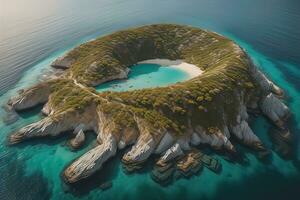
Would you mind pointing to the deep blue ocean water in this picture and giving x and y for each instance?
(33, 33)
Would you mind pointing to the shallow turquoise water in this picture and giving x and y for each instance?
(35, 33)
(146, 76)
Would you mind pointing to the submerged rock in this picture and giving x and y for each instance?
(211, 163)
(106, 185)
(162, 173)
(189, 164)
(11, 115)
(282, 142)
(183, 165)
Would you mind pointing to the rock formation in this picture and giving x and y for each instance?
(78, 140)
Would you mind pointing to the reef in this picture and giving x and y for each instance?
(170, 122)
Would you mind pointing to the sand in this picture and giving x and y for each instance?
(191, 70)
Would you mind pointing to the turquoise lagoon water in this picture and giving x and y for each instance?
(146, 76)
(33, 34)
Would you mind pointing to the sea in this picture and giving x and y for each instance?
(33, 33)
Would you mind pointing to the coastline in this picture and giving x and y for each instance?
(192, 70)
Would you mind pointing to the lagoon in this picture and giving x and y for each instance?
(146, 76)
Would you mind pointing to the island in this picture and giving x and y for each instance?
(170, 123)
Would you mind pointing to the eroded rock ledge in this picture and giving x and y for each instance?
(210, 109)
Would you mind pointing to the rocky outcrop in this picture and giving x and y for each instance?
(121, 74)
(211, 163)
(184, 143)
(164, 144)
(190, 164)
(171, 153)
(274, 109)
(143, 148)
(91, 161)
(63, 62)
(46, 127)
(162, 173)
(31, 97)
(78, 140)
(217, 141)
(182, 165)
(195, 139)
(244, 133)
(47, 109)
(266, 85)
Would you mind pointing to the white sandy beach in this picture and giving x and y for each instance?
(190, 69)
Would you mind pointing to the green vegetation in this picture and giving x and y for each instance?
(210, 100)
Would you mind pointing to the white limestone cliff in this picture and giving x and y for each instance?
(172, 153)
(142, 149)
(91, 161)
(274, 109)
(244, 133)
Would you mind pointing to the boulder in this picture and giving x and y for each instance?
(11, 115)
(106, 185)
(78, 141)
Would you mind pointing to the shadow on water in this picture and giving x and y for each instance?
(266, 184)
(14, 184)
(289, 76)
(269, 184)
(293, 127)
(31, 112)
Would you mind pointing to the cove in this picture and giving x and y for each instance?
(145, 76)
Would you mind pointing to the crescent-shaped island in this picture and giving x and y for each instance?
(211, 109)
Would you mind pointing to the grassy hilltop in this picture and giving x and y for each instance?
(207, 97)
